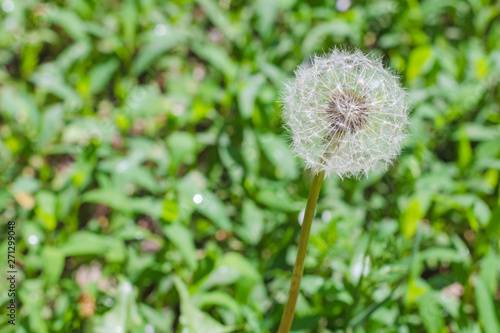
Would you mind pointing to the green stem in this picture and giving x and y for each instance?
(298, 269)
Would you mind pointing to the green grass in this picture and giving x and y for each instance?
(143, 159)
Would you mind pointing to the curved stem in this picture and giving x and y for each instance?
(298, 269)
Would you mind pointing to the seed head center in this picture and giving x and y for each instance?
(347, 112)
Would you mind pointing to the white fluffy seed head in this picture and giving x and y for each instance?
(346, 113)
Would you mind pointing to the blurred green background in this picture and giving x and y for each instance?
(144, 161)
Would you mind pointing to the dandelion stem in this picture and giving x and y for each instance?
(298, 269)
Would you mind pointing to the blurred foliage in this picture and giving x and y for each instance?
(143, 158)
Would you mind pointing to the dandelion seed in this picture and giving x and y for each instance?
(346, 114)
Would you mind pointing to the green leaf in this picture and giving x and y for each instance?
(123, 316)
(419, 61)
(410, 218)
(278, 199)
(250, 152)
(277, 151)
(20, 108)
(218, 17)
(170, 210)
(117, 251)
(478, 132)
(231, 158)
(194, 320)
(489, 270)
(441, 254)
(155, 48)
(109, 197)
(101, 74)
(316, 36)
(241, 264)
(145, 205)
(129, 17)
(217, 57)
(482, 212)
(85, 243)
(252, 223)
(53, 263)
(267, 11)
(273, 73)
(486, 307)
(33, 305)
(213, 208)
(46, 209)
(50, 78)
(232, 268)
(52, 123)
(194, 195)
(182, 148)
(65, 201)
(70, 22)
(217, 298)
(183, 240)
(430, 312)
(464, 150)
(248, 94)
(159, 318)
(144, 178)
(73, 53)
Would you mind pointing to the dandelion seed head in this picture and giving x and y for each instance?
(346, 113)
